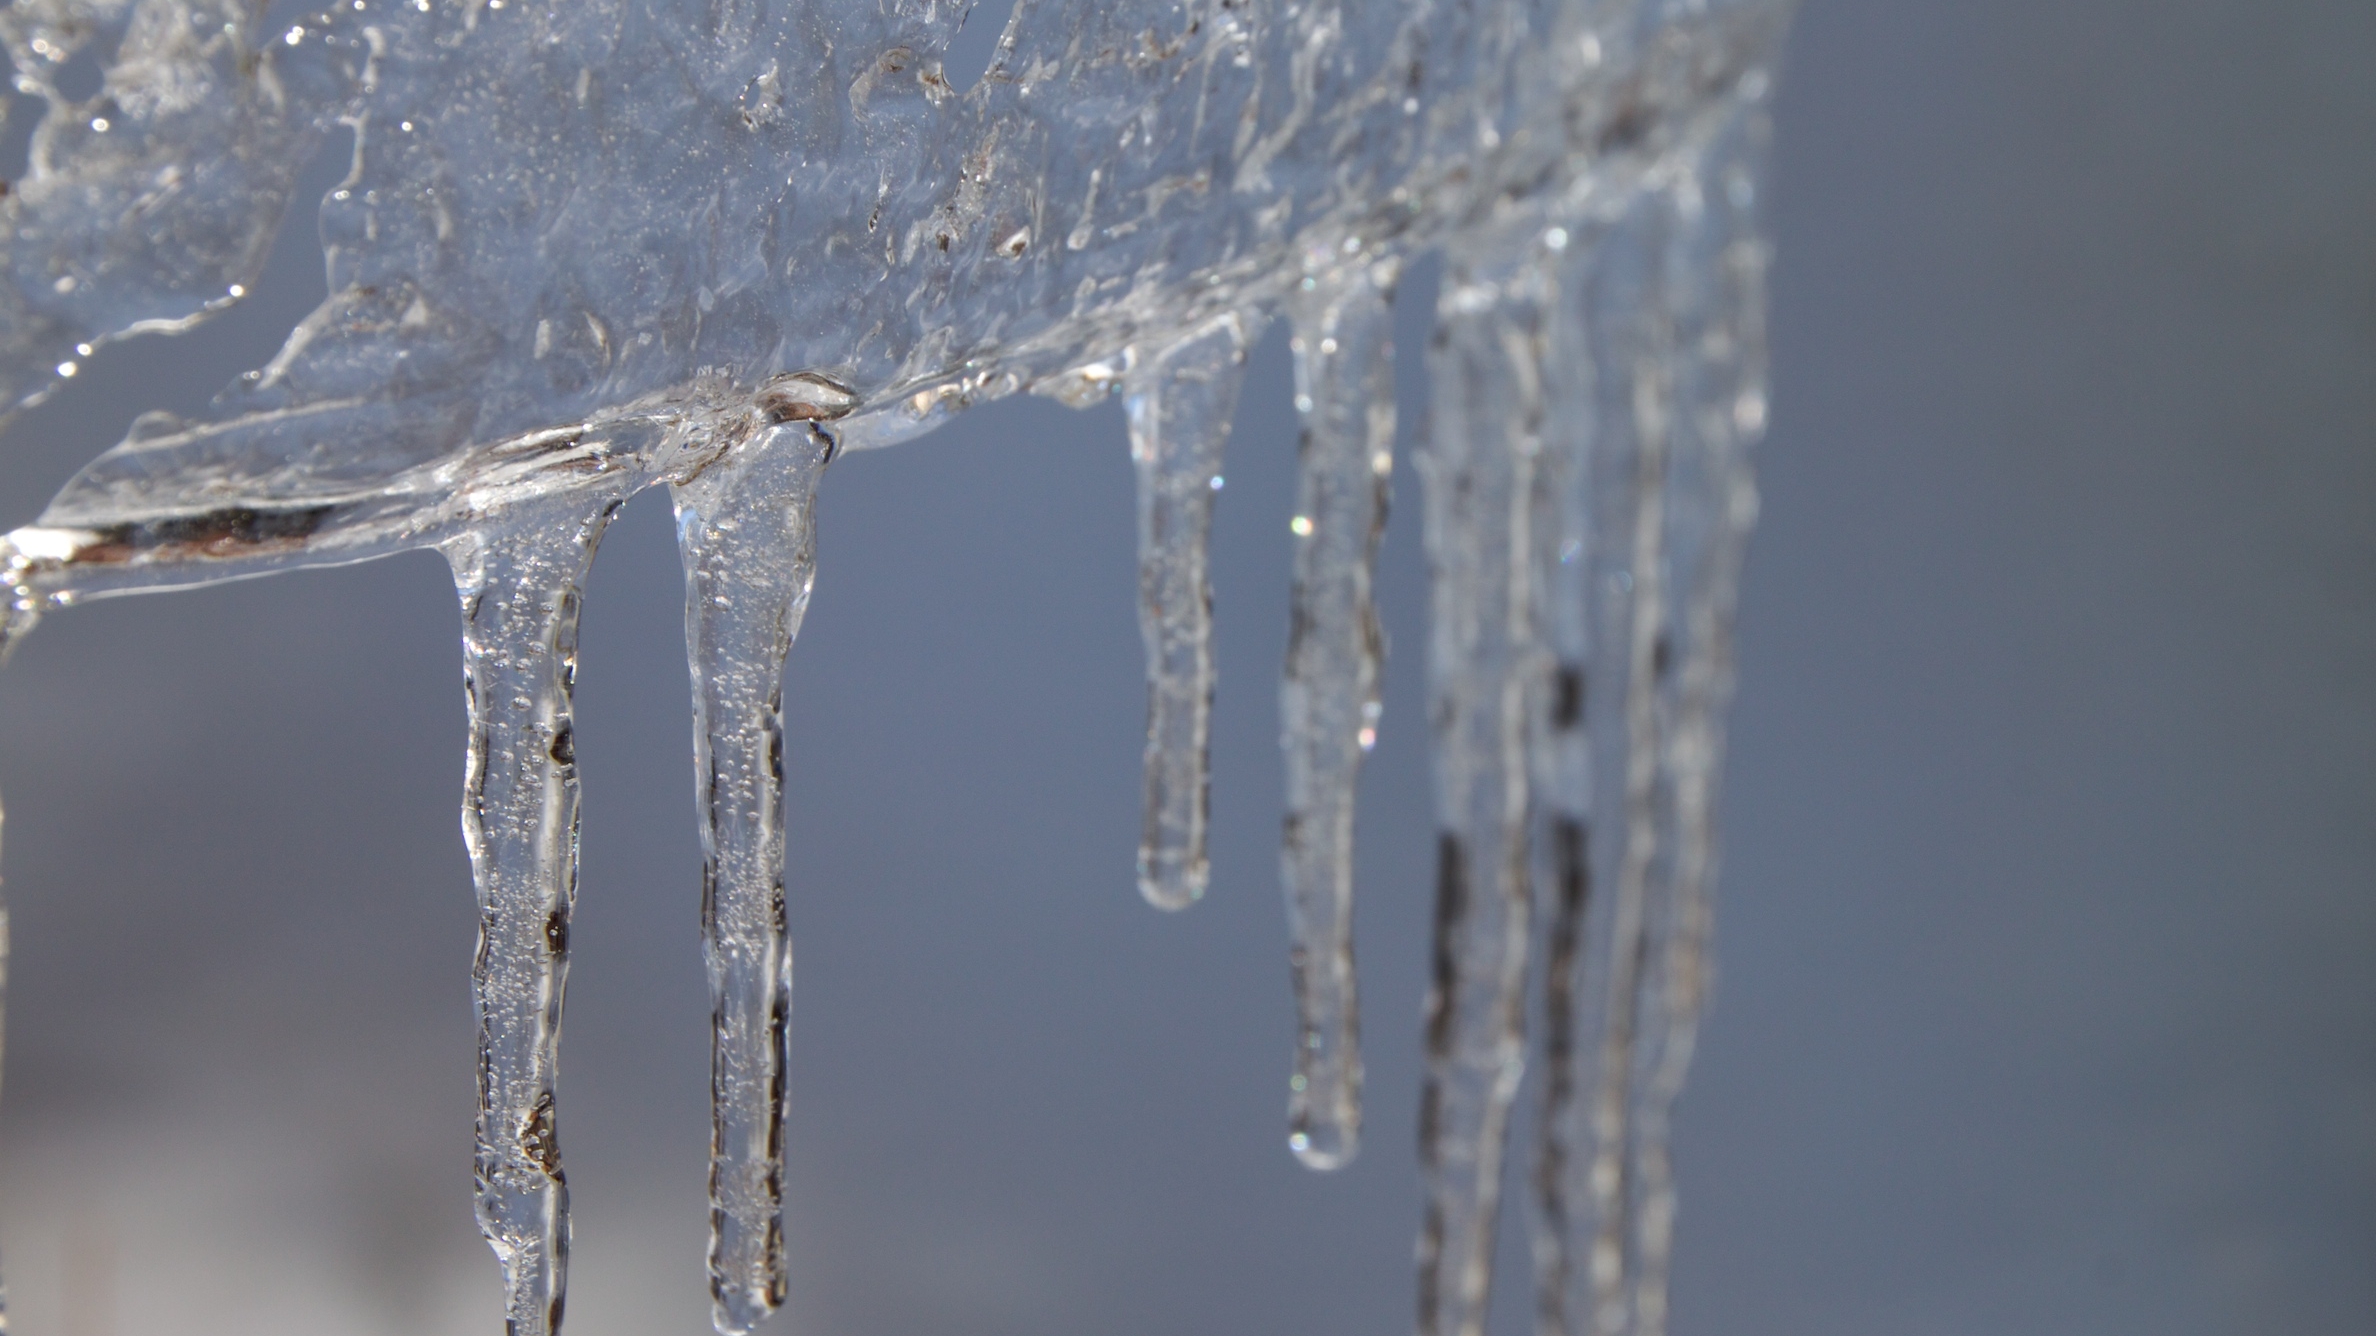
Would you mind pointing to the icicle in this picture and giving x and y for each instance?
(1566, 719)
(3, 1047)
(744, 532)
(519, 587)
(1665, 316)
(17, 620)
(1643, 641)
(1482, 661)
(1328, 703)
(1180, 405)
(1715, 270)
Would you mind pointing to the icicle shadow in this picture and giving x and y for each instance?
(745, 532)
(1180, 404)
(1328, 700)
(519, 581)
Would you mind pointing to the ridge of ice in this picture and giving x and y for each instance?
(584, 251)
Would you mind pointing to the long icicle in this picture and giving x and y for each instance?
(3, 1036)
(1715, 268)
(1328, 702)
(1482, 663)
(1664, 312)
(519, 585)
(1179, 405)
(745, 533)
(1647, 658)
(18, 616)
(1564, 724)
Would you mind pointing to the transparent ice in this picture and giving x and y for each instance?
(585, 250)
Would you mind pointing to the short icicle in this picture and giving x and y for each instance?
(1179, 403)
(519, 580)
(1483, 663)
(745, 534)
(1328, 701)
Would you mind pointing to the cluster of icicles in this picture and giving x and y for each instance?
(1595, 385)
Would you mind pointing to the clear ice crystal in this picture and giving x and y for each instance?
(582, 251)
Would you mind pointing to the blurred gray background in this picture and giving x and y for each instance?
(2048, 915)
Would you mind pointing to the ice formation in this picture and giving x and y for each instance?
(584, 250)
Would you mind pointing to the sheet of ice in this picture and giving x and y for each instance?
(585, 250)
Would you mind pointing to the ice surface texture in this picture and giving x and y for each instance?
(583, 250)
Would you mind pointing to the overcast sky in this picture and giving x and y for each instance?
(2048, 922)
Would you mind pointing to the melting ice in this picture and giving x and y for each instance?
(586, 250)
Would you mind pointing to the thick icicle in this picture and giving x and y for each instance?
(1482, 663)
(743, 529)
(519, 583)
(1666, 313)
(1328, 703)
(1180, 405)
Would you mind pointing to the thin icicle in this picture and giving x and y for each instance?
(1665, 314)
(519, 586)
(3, 1047)
(1715, 276)
(744, 531)
(1328, 703)
(1483, 661)
(1563, 725)
(1647, 660)
(17, 619)
(1180, 405)
(1601, 505)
